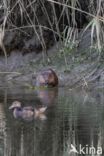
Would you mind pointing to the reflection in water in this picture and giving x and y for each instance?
(2, 129)
(47, 96)
(70, 122)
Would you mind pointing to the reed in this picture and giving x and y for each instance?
(22, 14)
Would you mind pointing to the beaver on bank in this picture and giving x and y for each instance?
(47, 78)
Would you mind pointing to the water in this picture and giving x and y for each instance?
(73, 118)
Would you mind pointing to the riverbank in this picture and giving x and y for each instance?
(78, 67)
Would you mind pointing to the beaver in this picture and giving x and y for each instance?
(47, 78)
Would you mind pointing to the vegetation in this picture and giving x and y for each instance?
(63, 19)
(43, 23)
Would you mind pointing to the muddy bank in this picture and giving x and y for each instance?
(86, 76)
(77, 69)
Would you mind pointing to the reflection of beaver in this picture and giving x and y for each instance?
(47, 78)
(47, 96)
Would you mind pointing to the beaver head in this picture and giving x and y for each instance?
(47, 78)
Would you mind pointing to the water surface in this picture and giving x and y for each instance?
(73, 118)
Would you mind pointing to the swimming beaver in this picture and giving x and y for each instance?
(47, 78)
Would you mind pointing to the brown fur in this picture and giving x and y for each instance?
(47, 78)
